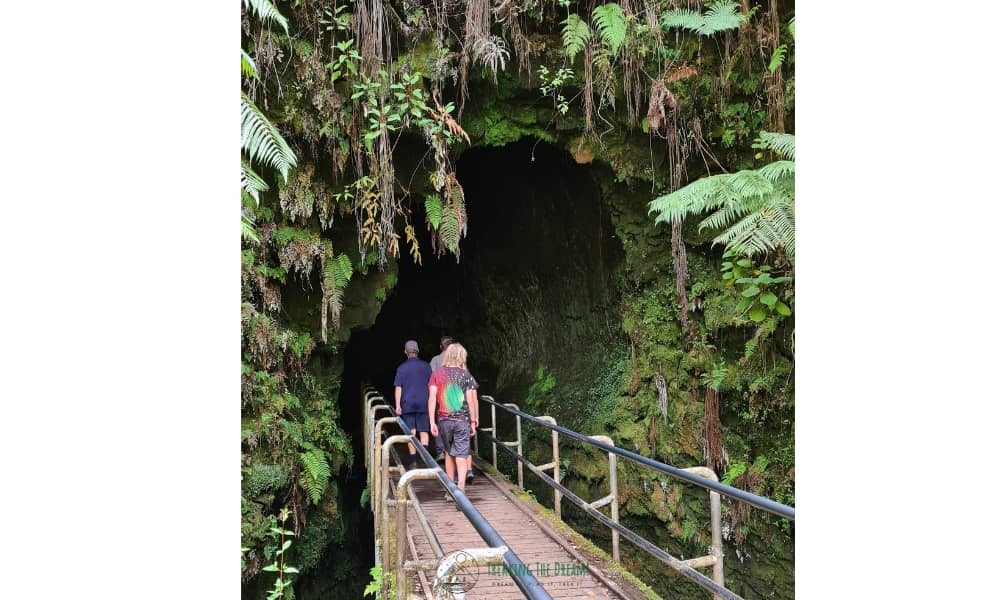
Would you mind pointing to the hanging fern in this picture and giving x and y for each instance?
(778, 58)
(315, 473)
(754, 209)
(267, 12)
(791, 28)
(261, 139)
(575, 35)
(247, 229)
(721, 17)
(449, 228)
(247, 65)
(432, 204)
(251, 183)
(337, 272)
(609, 21)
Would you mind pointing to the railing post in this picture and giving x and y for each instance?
(402, 502)
(715, 506)
(493, 414)
(612, 498)
(554, 465)
(520, 450)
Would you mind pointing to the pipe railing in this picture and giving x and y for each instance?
(378, 454)
(701, 476)
(760, 502)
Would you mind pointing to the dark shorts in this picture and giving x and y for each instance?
(417, 421)
(454, 436)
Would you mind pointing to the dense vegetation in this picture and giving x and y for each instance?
(354, 114)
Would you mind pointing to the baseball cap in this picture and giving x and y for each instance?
(411, 346)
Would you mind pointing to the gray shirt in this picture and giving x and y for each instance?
(436, 362)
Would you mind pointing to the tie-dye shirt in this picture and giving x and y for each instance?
(452, 383)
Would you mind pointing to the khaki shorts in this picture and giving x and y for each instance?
(454, 436)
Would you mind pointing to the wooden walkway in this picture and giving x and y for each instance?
(571, 571)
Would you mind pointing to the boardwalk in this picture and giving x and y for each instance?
(534, 541)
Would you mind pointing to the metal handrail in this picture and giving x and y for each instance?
(682, 567)
(378, 470)
(765, 504)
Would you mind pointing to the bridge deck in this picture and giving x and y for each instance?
(534, 541)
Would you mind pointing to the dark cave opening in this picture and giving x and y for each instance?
(537, 230)
(532, 287)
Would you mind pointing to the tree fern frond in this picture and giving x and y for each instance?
(247, 65)
(722, 16)
(432, 205)
(682, 18)
(251, 182)
(778, 58)
(267, 12)
(699, 196)
(609, 21)
(575, 35)
(777, 170)
(791, 28)
(782, 144)
(261, 139)
(248, 230)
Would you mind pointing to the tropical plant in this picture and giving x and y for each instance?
(756, 287)
(609, 21)
(315, 473)
(754, 209)
(575, 35)
(720, 17)
(282, 585)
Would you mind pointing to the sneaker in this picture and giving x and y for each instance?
(468, 477)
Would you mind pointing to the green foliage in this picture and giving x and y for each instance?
(247, 65)
(715, 377)
(374, 587)
(538, 392)
(263, 477)
(282, 585)
(778, 58)
(721, 17)
(755, 209)
(552, 84)
(261, 140)
(267, 12)
(575, 35)
(315, 474)
(609, 21)
(432, 204)
(756, 286)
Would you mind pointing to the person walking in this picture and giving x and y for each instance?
(412, 377)
(451, 392)
(435, 365)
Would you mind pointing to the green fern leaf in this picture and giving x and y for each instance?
(249, 231)
(782, 144)
(261, 139)
(609, 20)
(251, 183)
(247, 65)
(432, 205)
(721, 17)
(791, 28)
(267, 12)
(315, 473)
(778, 58)
(575, 35)
(449, 229)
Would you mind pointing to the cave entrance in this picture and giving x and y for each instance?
(531, 289)
(534, 268)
